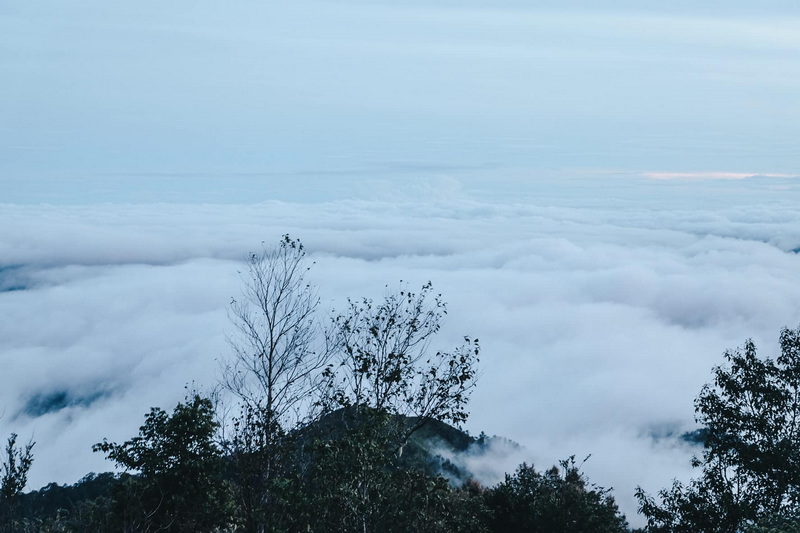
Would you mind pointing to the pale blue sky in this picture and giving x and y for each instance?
(97, 95)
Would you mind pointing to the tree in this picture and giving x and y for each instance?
(273, 370)
(351, 485)
(179, 484)
(385, 385)
(553, 502)
(384, 361)
(16, 465)
(263, 461)
(780, 524)
(84, 507)
(274, 359)
(751, 458)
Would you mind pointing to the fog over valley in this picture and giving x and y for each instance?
(599, 319)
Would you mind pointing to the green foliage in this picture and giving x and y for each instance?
(335, 475)
(261, 456)
(83, 506)
(414, 501)
(704, 506)
(346, 475)
(751, 461)
(179, 486)
(553, 502)
(777, 524)
(16, 464)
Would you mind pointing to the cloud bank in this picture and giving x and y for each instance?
(600, 315)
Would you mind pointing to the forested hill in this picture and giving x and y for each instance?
(431, 449)
(420, 485)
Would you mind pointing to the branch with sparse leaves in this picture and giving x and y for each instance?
(383, 359)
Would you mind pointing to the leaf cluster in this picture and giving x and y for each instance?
(179, 484)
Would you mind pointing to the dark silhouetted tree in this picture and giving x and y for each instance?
(384, 385)
(352, 485)
(555, 501)
(751, 458)
(179, 484)
(385, 362)
(16, 464)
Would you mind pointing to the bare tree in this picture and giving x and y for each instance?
(275, 360)
(277, 355)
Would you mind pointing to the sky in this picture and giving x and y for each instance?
(606, 193)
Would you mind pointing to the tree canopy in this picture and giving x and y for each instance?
(179, 484)
(750, 465)
(554, 501)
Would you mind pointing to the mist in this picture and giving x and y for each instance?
(598, 324)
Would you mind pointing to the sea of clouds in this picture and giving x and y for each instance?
(601, 305)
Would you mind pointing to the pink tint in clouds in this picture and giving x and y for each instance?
(711, 175)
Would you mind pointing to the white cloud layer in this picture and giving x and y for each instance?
(601, 306)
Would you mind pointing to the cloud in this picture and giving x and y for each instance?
(486, 461)
(712, 175)
(600, 314)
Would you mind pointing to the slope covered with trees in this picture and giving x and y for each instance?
(338, 478)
